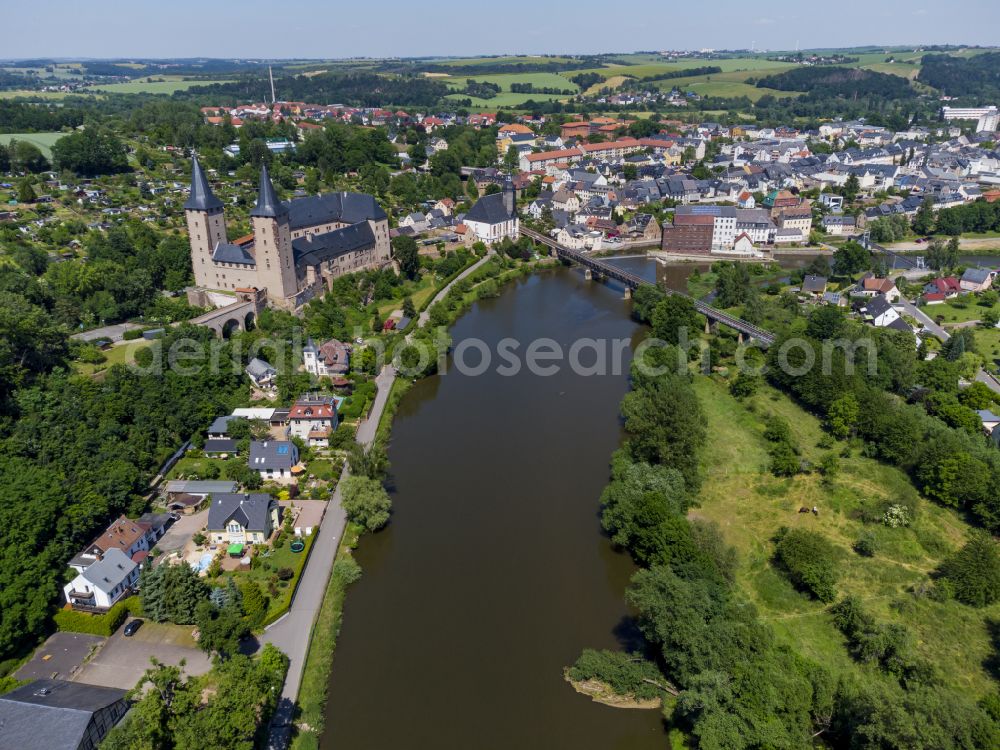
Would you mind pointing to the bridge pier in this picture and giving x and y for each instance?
(588, 275)
(628, 292)
(739, 338)
(711, 326)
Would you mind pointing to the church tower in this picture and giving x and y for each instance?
(272, 242)
(206, 226)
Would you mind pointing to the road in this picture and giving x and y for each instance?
(912, 310)
(292, 632)
(970, 243)
(988, 380)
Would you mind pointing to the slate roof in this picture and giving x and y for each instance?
(220, 445)
(489, 210)
(227, 252)
(977, 275)
(52, 713)
(258, 369)
(272, 455)
(201, 198)
(339, 208)
(250, 510)
(268, 206)
(110, 570)
(323, 247)
(220, 425)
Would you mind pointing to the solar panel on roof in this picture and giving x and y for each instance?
(282, 450)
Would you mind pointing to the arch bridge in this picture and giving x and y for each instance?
(239, 316)
(764, 338)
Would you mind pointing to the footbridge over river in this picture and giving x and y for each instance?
(764, 338)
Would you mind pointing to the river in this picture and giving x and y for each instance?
(494, 573)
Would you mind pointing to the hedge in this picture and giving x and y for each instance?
(74, 621)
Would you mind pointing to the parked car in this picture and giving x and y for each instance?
(132, 628)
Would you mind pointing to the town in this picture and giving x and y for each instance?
(226, 290)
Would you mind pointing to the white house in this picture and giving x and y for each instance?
(273, 459)
(313, 418)
(493, 218)
(104, 582)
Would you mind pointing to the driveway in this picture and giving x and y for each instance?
(115, 332)
(122, 661)
(913, 311)
(60, 656)
(181, 531)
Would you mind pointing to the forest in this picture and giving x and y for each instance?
(977, 77)
(832, 82)
(356, 89)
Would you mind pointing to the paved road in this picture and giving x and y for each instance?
(292, 632)
(988, 380)
(122, 661)
(115, 333)
(912, 310)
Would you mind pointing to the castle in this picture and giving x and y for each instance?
(296, 249)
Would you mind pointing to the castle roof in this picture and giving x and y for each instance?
(340, 208)
(226, 252)
(201, 198)
(319, 248)
(268, 206)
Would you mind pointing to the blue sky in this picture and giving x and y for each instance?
(379, 28)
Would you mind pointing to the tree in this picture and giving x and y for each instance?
(26, 192)
(254, 604)
(842, 416)
(850, 259)
(810, 562)
(172, 592)
(973, 573)
(941, 255)
(851, 188)
(372, 463)
(220, 629)
(406, 253)
(91, 151)
(511, 159)
(923, 220)
(675, 318)
(409, 309)
(744, 385)
(366, 502)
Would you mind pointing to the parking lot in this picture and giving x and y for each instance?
(59, 657)
(122, 661)
(181, 531)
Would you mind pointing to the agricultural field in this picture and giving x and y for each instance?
(504, 80)
(750, 505)
(43, 95)
(44, 141)
(167, 85)
(508, 60)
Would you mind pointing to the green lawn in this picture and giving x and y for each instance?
(988, 343)
(156, 86)
(959, 310)
(44, 141)
(195, 463)
(121, 354)
(750, 505)
(504, 80)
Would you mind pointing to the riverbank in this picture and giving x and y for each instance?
(601, 692)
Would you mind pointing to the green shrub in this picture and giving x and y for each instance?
(973, 573)
(810, 562)
(74, 621)
(132, 334)
(625, 674)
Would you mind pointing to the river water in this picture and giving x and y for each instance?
(494, 573)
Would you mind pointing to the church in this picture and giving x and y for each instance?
(297, 247)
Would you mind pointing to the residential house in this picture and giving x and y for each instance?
(989, 420)
(416, 221)
(261, 373)
(871, 285)
(645, 228)
(60, 715)
(313, 418)
(186, 495)
(566, 200)
(880, 313)
(814, 285)
(743, 244)
(129, 537)
(103, 582)
(330, 359)
(838, 226)
(242, 518)
(273, 459)
(938, 290)
(977, 279)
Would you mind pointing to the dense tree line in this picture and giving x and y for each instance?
(832, 82)
(19, 117)
(978, 216)
(356, 89)
(976, 77)
(90, 152)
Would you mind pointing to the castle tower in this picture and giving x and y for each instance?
(272, 241)
(206, 226)
(509, 202)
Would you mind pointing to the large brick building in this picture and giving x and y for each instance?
(297, 247)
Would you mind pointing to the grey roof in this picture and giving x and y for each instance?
(489, 210)
(110, 570)
(340, 208)
(220, 445)
(271, 455)
(227, 252)
(878, 305)
(977, 275)
(985, 415)
(220, 425)
(314, 250)
(202, 198)
(52, 714)
(258, 369)
(200, 486)
(813, 283)
(268, 206)
(249, 509)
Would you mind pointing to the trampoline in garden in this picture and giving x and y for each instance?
(297, 546)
